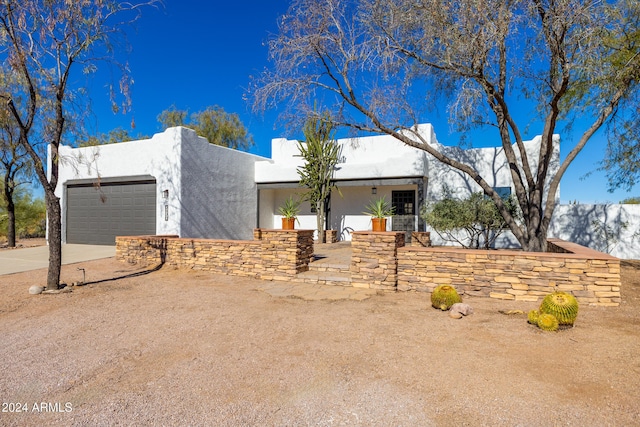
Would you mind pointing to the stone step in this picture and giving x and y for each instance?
(324, 278)
(329, 266)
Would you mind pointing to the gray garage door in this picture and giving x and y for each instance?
(97, 215)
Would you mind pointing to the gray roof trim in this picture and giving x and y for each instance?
(110, 180)
(364, 182)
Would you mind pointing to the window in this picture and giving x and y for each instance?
(403, 202)
(503, 192)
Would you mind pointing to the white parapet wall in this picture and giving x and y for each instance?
(609, 228)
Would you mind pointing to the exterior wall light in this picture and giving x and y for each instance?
(374, 190)
(165, 194)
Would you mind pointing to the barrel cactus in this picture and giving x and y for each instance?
(547, 322)
(562, 306)
(444, 296)
(532, 317)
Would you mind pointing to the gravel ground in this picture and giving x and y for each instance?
(191, 348)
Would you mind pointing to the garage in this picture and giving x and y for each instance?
(96, 214)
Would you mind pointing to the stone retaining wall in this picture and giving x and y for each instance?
(593, 277)
(373, 260)
(380, 261)
(421, 238)
(273, 255)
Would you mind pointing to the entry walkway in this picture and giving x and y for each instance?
(328, 278)
(20, 260)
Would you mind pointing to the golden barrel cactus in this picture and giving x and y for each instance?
(547, 322)
(532, 317)
(444, 296)
(562, 306)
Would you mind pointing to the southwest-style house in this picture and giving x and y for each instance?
(177, 183)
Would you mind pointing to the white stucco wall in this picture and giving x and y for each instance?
(380, 156)
(490, 162)
(211, 189)
(218, 192)
(614, 228)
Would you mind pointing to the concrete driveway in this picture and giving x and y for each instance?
(19, 260)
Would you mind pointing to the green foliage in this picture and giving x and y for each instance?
(379, 208)
(631, 201)
(547, 322)
(112, 137)
(321, 154)
(444, 296)
(30, 215)
(290, 208)
(214, 124)
(622, 40)
(562, 306)
(172, 117)
(476, 216)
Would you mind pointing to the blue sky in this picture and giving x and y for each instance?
(193, 54)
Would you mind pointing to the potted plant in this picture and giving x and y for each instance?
(378, 210)
(289, 211)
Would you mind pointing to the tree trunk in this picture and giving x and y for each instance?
(54, 240)
(322, 238)
(536, 243)
(11, 224)
(11, 214)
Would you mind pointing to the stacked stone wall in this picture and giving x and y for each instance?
(593, 277)
(373, 261)
(421, 239)
(274, 255)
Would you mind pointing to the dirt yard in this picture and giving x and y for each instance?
(189, 348)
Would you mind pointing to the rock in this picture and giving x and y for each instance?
(455, 314)
(462, 308)
(35, 289)
(511, 312)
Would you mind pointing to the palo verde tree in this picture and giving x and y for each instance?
(380, 65)
(321, 154)
(49, 45)
(214, 124)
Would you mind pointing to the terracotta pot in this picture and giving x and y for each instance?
(288, 223)
(379, 224)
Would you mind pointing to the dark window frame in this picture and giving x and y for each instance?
(403, 202)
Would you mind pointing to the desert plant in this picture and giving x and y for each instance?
(471, 222)
(444, 296)
(290, 208)
(379, 208)
(532, 317)
(562, 306)
(547, 322)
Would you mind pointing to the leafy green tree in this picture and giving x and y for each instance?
(15, 164)
(622, 162)
(631, 201)
(49, 44)
(382, 65)
(476, 217)
(321, 154)
(112, 137)
(172, 117)
(30, 215)
(214, 124)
